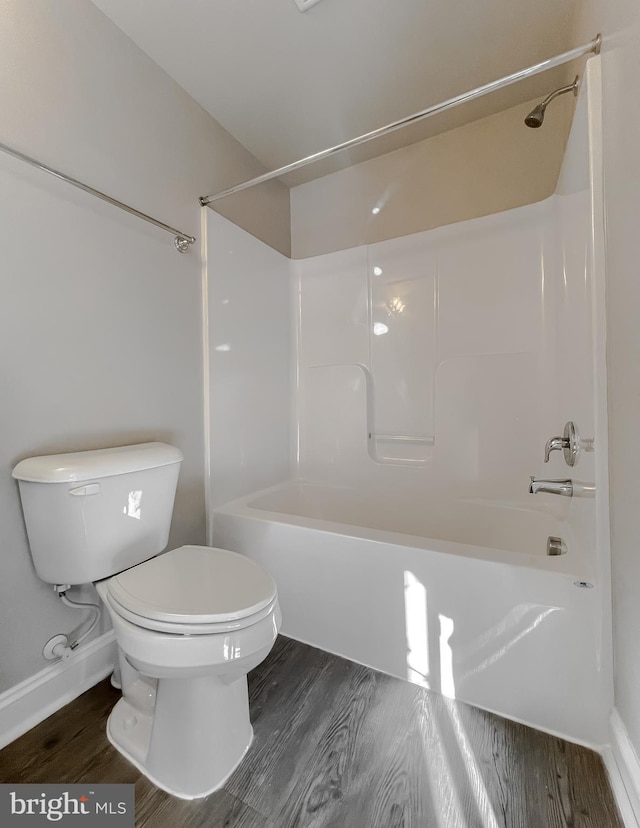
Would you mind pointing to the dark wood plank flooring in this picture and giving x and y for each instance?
(338, 745)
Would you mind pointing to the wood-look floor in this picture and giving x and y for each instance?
(338, 745)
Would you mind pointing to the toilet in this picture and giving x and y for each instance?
(189, 623)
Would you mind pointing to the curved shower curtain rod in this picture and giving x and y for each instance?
(591, 47)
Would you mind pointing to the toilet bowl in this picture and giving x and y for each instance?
(189, 625)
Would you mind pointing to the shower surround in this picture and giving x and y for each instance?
(431, 369)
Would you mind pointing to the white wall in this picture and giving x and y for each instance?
(100, 320)
(441, 337)
(487, 305)
(250, 355)
(619, 22)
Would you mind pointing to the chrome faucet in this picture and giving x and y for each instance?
(569, 444)
(559, 487)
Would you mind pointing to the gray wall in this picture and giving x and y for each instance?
(100, 318)
(619, 21)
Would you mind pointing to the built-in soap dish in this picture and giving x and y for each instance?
(556, 546)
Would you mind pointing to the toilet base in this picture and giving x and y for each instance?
(188, 737)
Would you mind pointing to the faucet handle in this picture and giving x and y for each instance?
(570, 444)
(554, 444)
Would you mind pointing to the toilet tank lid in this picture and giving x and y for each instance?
(77, 466)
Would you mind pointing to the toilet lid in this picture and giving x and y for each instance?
(194, 585)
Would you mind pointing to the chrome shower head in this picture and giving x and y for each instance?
(536, 117)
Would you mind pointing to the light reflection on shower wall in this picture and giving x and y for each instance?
(447, 399)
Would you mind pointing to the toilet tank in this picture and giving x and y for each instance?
(91, 514)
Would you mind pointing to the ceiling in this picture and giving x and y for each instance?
(288, 84)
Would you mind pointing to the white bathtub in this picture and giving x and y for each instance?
(495, 525)
(464, 601)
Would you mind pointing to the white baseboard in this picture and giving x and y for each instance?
(623, 766)
(33, 700)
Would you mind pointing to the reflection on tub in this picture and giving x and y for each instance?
(495, 622)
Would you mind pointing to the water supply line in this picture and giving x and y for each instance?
(61, 645)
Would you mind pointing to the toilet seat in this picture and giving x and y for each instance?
(154, 625)
(193, 590)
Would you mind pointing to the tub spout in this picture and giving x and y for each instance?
(559, 487)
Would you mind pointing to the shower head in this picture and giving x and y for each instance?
(535, 118)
